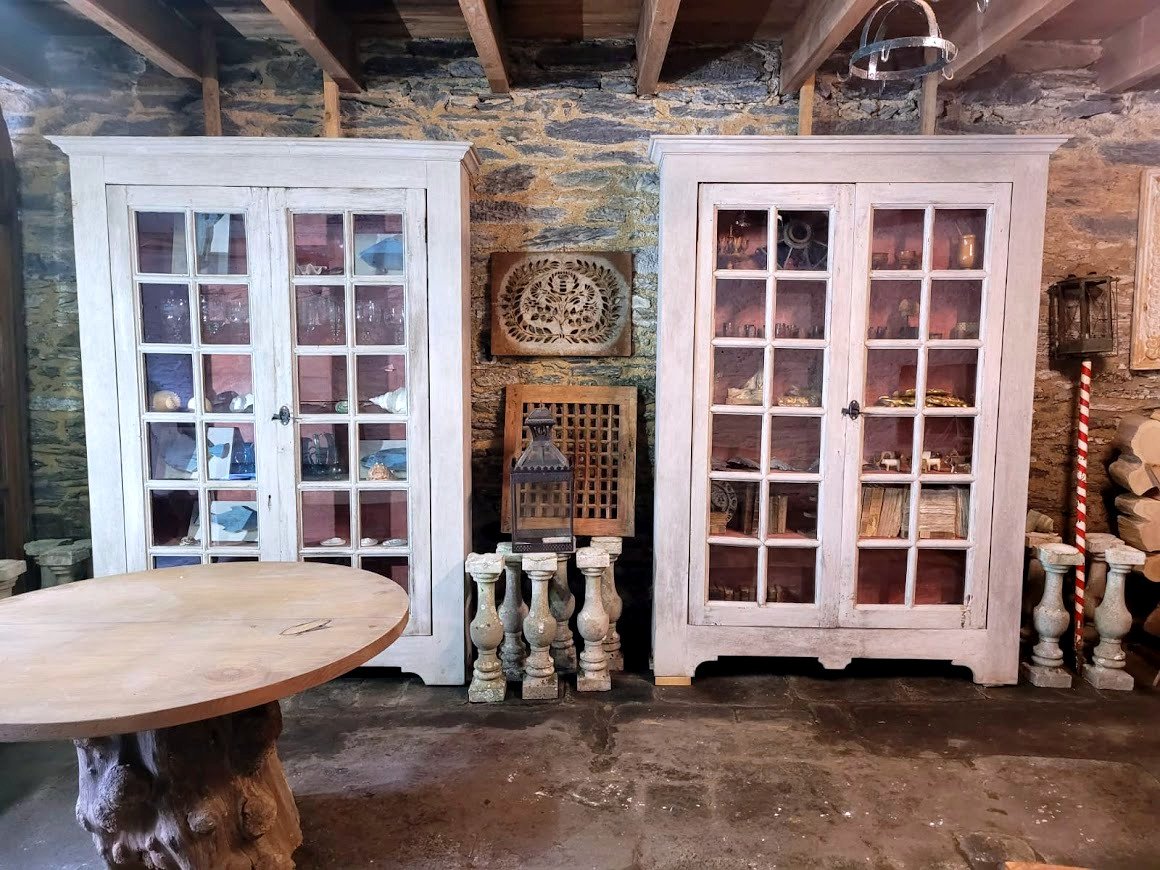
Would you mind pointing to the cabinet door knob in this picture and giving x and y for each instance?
(853, 410)
(283, 416)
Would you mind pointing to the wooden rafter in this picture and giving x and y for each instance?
(1131, 55)
(483, 23)
(322, 35)
(981, 37)
(152, 28)
(819, 30)
(652, 42)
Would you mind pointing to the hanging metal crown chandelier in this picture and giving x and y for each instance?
(880, 49)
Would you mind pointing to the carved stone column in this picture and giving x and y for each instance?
(487, 681)
(563, 604)
(1113, 621)
(1051, 618)
(540, 680)
(613, 606)
(593, 622)
(1033, 578)
(210, 794)
(1098, 544)
(11, 571)
(512, 612)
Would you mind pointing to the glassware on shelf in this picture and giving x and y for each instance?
(175, 318)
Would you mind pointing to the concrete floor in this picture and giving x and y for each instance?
(886, 766)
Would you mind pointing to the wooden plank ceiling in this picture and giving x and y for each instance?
(165, 31)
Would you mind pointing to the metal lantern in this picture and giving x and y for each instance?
(541, 492)
(1082, 315)
(879, 50)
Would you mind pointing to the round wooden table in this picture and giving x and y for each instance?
(168, 682)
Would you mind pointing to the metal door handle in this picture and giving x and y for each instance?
(283, 416)
(853, 410)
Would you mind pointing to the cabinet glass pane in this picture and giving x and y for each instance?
(890, 377)
(382, 451)
(955, 309)
(887, 444)
(894, 309)
(164, 313)
(322, 385)
(324, 451)
(736, 444)
(803, 240)
(944, 512)
(161, 243)
(169, 382)
(897, 238)
(383, 518)
(379, 314)
(225, 313)
(790, 575)
(329, 560)
(799, 309)
(742, 239)
(382, 384)
(941, 577)
(233, 517)
(320, 314)
(229, 452)
(951, 376)
(948, 445)
(797, 377)
(325, 518)
(733, 509)
(882, 576)
(176, 561)
(795, 444)
(392, 567)
(172, 451)
(960, 237)
(885, 511)
(318, 244)
(739, 308)
(738, 375)
(378, 244)
(228, 383)
(220, 243)
(227, 559)
(793, 511)
(173, 515)
(732, 573)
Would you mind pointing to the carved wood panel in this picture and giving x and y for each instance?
(576, 303)
(1146, 305)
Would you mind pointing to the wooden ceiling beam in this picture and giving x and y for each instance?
(152, 28)
(820, 29)
(652, 42)
(487, 34)
(1131, 55)
(315, 26)
(982, 37)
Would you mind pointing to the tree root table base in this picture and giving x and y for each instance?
(210, 795)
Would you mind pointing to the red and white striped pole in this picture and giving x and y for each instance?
(1085, 398)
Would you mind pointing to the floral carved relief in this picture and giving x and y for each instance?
(561, 304)
(1146, 305)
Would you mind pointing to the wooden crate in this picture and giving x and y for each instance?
(596, 430)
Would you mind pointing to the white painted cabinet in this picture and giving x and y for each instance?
(278, 371)
(845, 374)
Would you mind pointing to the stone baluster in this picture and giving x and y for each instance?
(10, 572)
(593, 675)
(563, 605)
(1033, 576)
(487, 681)
(540, 680)
(1098, 543)
(1113, 621)
(613, 606)
(512, 612)
(1051, 618)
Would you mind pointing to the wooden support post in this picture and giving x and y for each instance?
(806, 107)
(210, 92)
(331, 111)
(928, 105)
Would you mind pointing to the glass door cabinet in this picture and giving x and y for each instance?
(266, 382)
(855, 409)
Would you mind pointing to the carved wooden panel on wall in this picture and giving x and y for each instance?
(575, 303)
(1146, 306)
(596, 430)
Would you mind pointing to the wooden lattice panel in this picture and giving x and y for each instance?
(596, 430)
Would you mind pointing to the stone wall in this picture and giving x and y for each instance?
(565, 166)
